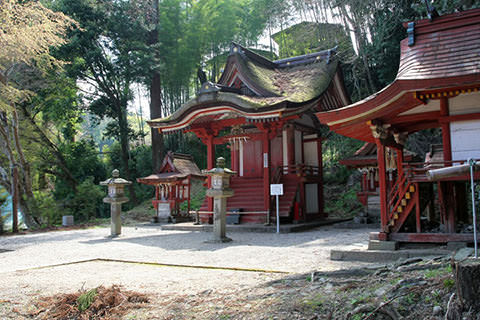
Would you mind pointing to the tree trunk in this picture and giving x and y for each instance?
(15, 198)
(155, 95)
(123, 125)
(62, 163)
(467, 274)
(156, 112)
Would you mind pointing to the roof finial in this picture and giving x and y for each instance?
(431, 11)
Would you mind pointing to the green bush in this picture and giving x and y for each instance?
(47, 208)
(87, 202)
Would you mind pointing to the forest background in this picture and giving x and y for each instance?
(75, 75)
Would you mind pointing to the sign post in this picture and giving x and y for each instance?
(277, 190)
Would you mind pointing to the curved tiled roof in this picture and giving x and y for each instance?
(287, 85)
(443, 53)
(442, 48)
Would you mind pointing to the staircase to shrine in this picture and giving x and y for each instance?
(248, 199)
(406, 197)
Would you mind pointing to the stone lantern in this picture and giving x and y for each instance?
(220, 191)
(116, 196)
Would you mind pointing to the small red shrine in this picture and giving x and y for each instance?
(264, 111)
(437, 86)
(173, 184)
(365, 160)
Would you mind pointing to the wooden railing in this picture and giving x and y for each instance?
(417, 170)
(301, 170)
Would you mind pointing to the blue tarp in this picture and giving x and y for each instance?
(6, 209)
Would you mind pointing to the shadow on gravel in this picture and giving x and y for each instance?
(196, 241)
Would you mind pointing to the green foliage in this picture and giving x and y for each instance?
(308, 37)
(140, 164)
(448, 283)
(316, 303)
(83, 162)
(47, 208)
(341, 201)
(337, 147)
(87, 201)
(85, 300)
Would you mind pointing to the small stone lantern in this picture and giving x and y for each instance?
(116, 196)
(220, 191)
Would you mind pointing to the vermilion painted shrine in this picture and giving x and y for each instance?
(269, 113)
(264, 110)
(437, 86)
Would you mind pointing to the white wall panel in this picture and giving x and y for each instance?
(311, 153)
(465, 139)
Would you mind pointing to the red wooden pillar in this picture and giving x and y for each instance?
(399, 162)
(364, 186)
(382, 180)
(320, 176)
(210, 165)
(266, 171)
(447, 144)
(448, 189)
(189, 194)
(234, 156)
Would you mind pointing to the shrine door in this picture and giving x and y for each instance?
(252, 159)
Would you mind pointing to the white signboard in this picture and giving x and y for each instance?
(265, 160)
(276, 189)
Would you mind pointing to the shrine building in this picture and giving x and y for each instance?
(265, 112)
(437, 86)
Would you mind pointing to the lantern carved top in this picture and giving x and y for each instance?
(115, 180)
(220, 170)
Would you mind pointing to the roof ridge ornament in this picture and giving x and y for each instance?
(411, 33)
(431, 11)
(235, 48)
(208, 87)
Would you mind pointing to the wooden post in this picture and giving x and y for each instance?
(399, 162)
(382, 180)
(234, 156)
(321, 201)
(467, 274)
(447, 145)
(266, 171)
(451, 206)
(210, 165)
(417, 207)
(189, 195)
(15, 198)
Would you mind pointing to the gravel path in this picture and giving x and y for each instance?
(64, 261)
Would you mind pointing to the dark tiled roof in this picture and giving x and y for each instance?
(445, 55)
(442, 49)
(175, 166)
(281, 85)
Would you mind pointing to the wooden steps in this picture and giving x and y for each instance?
(249, 198)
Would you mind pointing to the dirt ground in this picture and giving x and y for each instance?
(162, 264)
(257, 276)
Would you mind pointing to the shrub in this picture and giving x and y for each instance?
(47, 209)
(87, 202)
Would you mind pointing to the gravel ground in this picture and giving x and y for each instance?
(64, 261)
